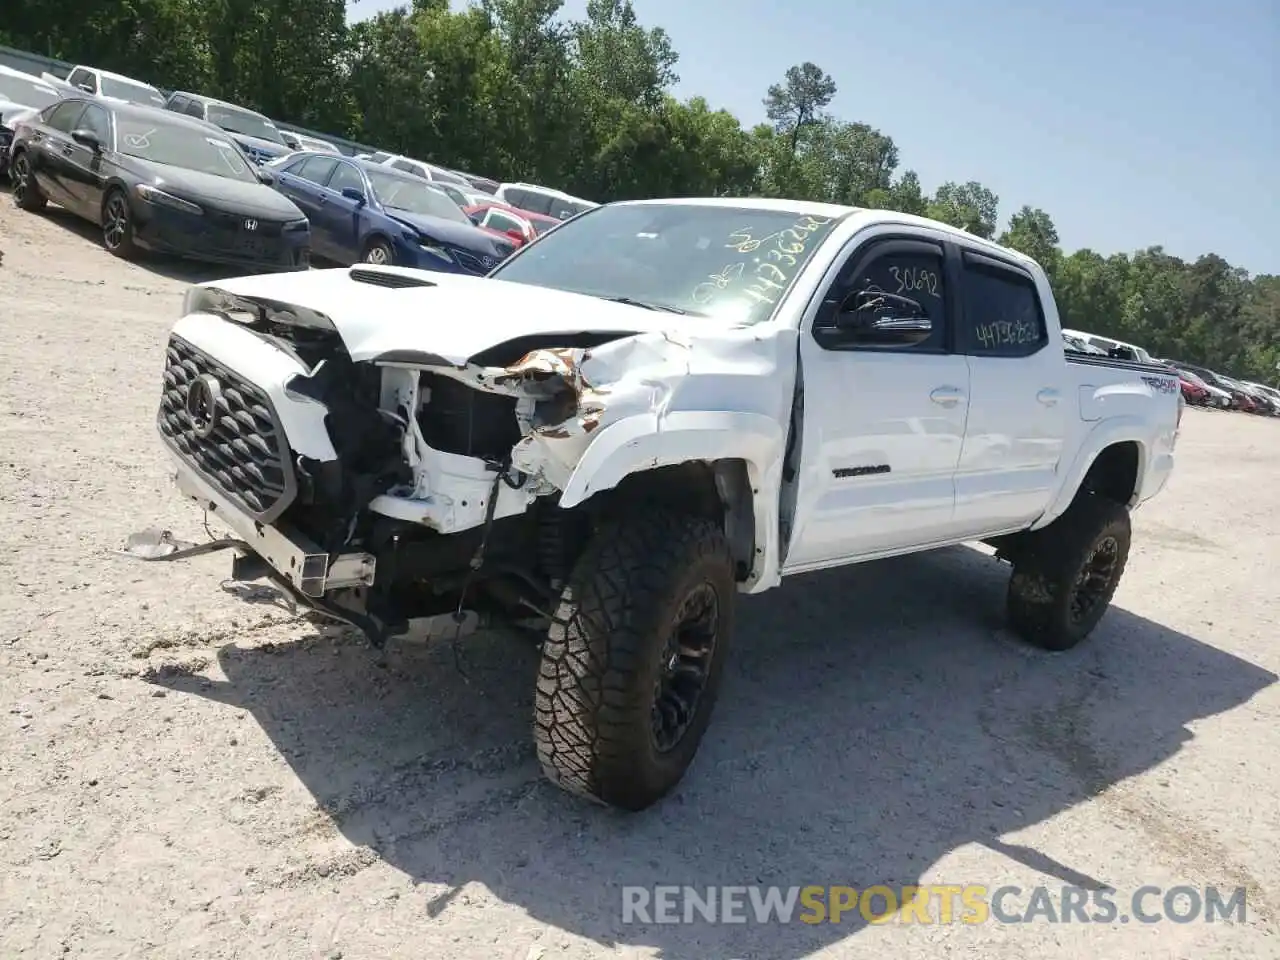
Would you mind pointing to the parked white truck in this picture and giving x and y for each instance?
(105, 84)
(649, 409)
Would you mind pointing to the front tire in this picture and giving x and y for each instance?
(632, 663)
(26, 192)
(1065, 575)
(379, 253)
(117, 225)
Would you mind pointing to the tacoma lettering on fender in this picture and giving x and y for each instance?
(652, 408)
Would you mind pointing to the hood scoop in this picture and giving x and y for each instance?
(387, 278)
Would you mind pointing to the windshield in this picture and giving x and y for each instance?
(133, 92)
(177, 145)
(730, 262)
(27, 93)
(414, 196)
(244, 122)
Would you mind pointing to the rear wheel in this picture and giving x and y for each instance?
(26, 192)
(1065, 575)
(379, 253)
(632, 664)
(117, 225)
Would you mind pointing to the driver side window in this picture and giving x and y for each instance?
(911, 270)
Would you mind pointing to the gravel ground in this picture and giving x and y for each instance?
(187, 775)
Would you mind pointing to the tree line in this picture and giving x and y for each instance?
(511, 89)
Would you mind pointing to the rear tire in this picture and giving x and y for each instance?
(26, 192)
(632, 663)
(1065, 575)
(117, 225)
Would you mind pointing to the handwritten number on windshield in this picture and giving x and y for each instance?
(768, 279)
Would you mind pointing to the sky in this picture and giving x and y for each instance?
(1131, 122)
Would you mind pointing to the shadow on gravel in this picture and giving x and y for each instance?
(873, 720)
(175, 268)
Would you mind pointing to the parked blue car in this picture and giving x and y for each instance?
(362, 212)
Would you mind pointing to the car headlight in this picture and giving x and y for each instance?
(162, 199)
(427, 245)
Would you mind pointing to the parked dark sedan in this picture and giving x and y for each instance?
(361, 211)
(256, 134)
(155, 180)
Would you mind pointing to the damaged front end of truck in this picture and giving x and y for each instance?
(412, 483)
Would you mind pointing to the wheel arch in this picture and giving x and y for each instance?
(1112, 462)
(726, 466)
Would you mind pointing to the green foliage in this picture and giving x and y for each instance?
(510, 89)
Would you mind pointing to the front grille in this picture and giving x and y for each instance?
(226, 234)
(246, 456)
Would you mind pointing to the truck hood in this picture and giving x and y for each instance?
(443, 324)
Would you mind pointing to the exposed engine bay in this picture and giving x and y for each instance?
(447, 475)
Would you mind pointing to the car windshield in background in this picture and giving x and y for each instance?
(730, 262)
(180, 146)
(414, 196)
(244, 122)
(28, 93)
(135, 92)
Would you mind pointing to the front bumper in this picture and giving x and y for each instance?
(201, 238)
(293, 557)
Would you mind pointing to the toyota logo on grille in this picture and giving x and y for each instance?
(251, 224)
(202, 404)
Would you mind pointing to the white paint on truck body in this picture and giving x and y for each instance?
(895, 451)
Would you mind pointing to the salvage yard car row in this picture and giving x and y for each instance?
(380, 208)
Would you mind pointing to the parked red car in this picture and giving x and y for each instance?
(510, 222)
(1193, 392)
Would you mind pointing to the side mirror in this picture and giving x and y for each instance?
(87, 138)
(882, 319)
(351, 193)
(290, 140)
(264, 176)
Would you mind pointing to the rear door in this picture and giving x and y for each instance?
(303, 182)
(51, 150)
(1018, 398)
(882, 425)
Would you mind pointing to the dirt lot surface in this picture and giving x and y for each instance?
(187, 775)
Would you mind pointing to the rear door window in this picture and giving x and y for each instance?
(1002, 312)
(65, 115)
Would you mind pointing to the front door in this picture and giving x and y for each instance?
(882, 425)
(83, 167)
(337, 219)
(1018, 398)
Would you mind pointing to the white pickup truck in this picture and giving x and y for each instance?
(105, 84)
(649, 409)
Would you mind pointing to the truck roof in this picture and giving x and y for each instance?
(864, 216)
